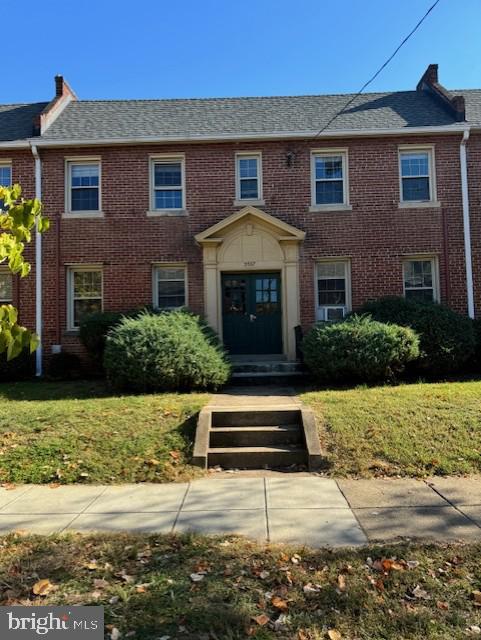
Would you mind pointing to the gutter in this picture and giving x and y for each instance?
(466, 223)
(38, 265)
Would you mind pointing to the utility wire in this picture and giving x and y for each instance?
(383, 66)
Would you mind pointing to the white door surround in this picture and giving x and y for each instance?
(252, 240)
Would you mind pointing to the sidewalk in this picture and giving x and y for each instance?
(289, 508)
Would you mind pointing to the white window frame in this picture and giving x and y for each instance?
(5, 272)
(429, 149)
(166, 159)
(248, 155)
(434, 269)
(336, 206)
(321, 310)
(71, 270)
(7, 164)
(155, 283)
(69, 163)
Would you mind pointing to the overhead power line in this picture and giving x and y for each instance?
(383, 66)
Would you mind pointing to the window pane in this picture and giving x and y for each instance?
(421, 295)
(330, 269)
(418, 273)
(168, 174)
(331, 297)
(171, 288)
(87, 284)
(171, 199)
(414, 164)
(85, 175)
(248, 167)
(5, 176)
(329, 192)
(170, 273)
(416, 189)
(85, 199)
(82, 308)
(5, 287)
(328, 167)
(248, 189)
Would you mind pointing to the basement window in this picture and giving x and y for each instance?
(420, 277)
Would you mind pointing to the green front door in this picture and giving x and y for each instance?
(252, 314)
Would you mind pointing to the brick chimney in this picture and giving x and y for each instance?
(429, 83)
(63, 96)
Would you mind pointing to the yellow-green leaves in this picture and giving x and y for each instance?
(18, 218)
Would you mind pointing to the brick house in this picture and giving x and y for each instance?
(246, 210)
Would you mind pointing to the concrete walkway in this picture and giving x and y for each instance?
(304, 509)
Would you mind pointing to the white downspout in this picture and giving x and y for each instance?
(466, 223)
(38, 265)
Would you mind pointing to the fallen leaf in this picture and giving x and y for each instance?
(42, 587)
(197, 577)
(92, 565)
(153, 462)
(476, 596)
(279, 603)
(341, 582)
(174, 454)
(412, 564)
(8, 486)
(334, 634)
(261, 620)
(114, 634)
(418, 594)
(474, 630)
(444, 606)
(142, 588)
(264, 574)
(296, 558)
(100, 583)
(310, 588)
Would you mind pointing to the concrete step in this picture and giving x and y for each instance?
(255, 418)
(256, 436)
(271, 366)
(257, 457)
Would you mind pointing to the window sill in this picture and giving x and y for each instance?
(330, 207)
(249, 203)
(82, 214)
(159, 213)
(424, 204)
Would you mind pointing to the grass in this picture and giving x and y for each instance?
(78, 432)
(407, 430)
(250, 590)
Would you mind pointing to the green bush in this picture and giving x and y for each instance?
(169, 351)
(20, 368)
(359, 349)
(447, 338)
(95, 327)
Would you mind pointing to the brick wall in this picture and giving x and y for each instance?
(375, 235)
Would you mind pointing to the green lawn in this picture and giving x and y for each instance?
(408, 430)
(244, 590)
(79, 432)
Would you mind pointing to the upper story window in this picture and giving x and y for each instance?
(83, 186)
(170, 287)
(6, 289)
(416, 167)
(167, 180)
(248, 176)
(329, 179)
(420, 279)
(5, 177)
(84, 293)
(333, 290)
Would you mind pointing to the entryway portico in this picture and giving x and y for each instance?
(251, 242)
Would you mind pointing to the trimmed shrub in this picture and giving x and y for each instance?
(20, 368)
(359, 349)
(95, 327)
(64, 366)
(169, 351)
(447, 338)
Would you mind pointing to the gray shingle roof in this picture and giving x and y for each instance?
(16, 120)
(226, 116)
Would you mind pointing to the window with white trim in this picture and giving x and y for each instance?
(84, 293)
(5, 177)
(329, 178)
(420, 279)
(6, 287)
(416, 175)
(248, 176)
(167, 180)
(83, 186)
(332, 290)
(170, 287)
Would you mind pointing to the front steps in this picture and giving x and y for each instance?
(266, 371)
(257, 439)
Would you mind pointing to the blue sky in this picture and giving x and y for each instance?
(200, 48)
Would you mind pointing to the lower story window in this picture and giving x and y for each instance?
(170, 287)
(420, 278)
(333, 290)
(84, 294)
(6, 293)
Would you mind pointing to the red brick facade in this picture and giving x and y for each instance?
(375, 235)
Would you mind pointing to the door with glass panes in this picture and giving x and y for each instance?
(252, 313)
